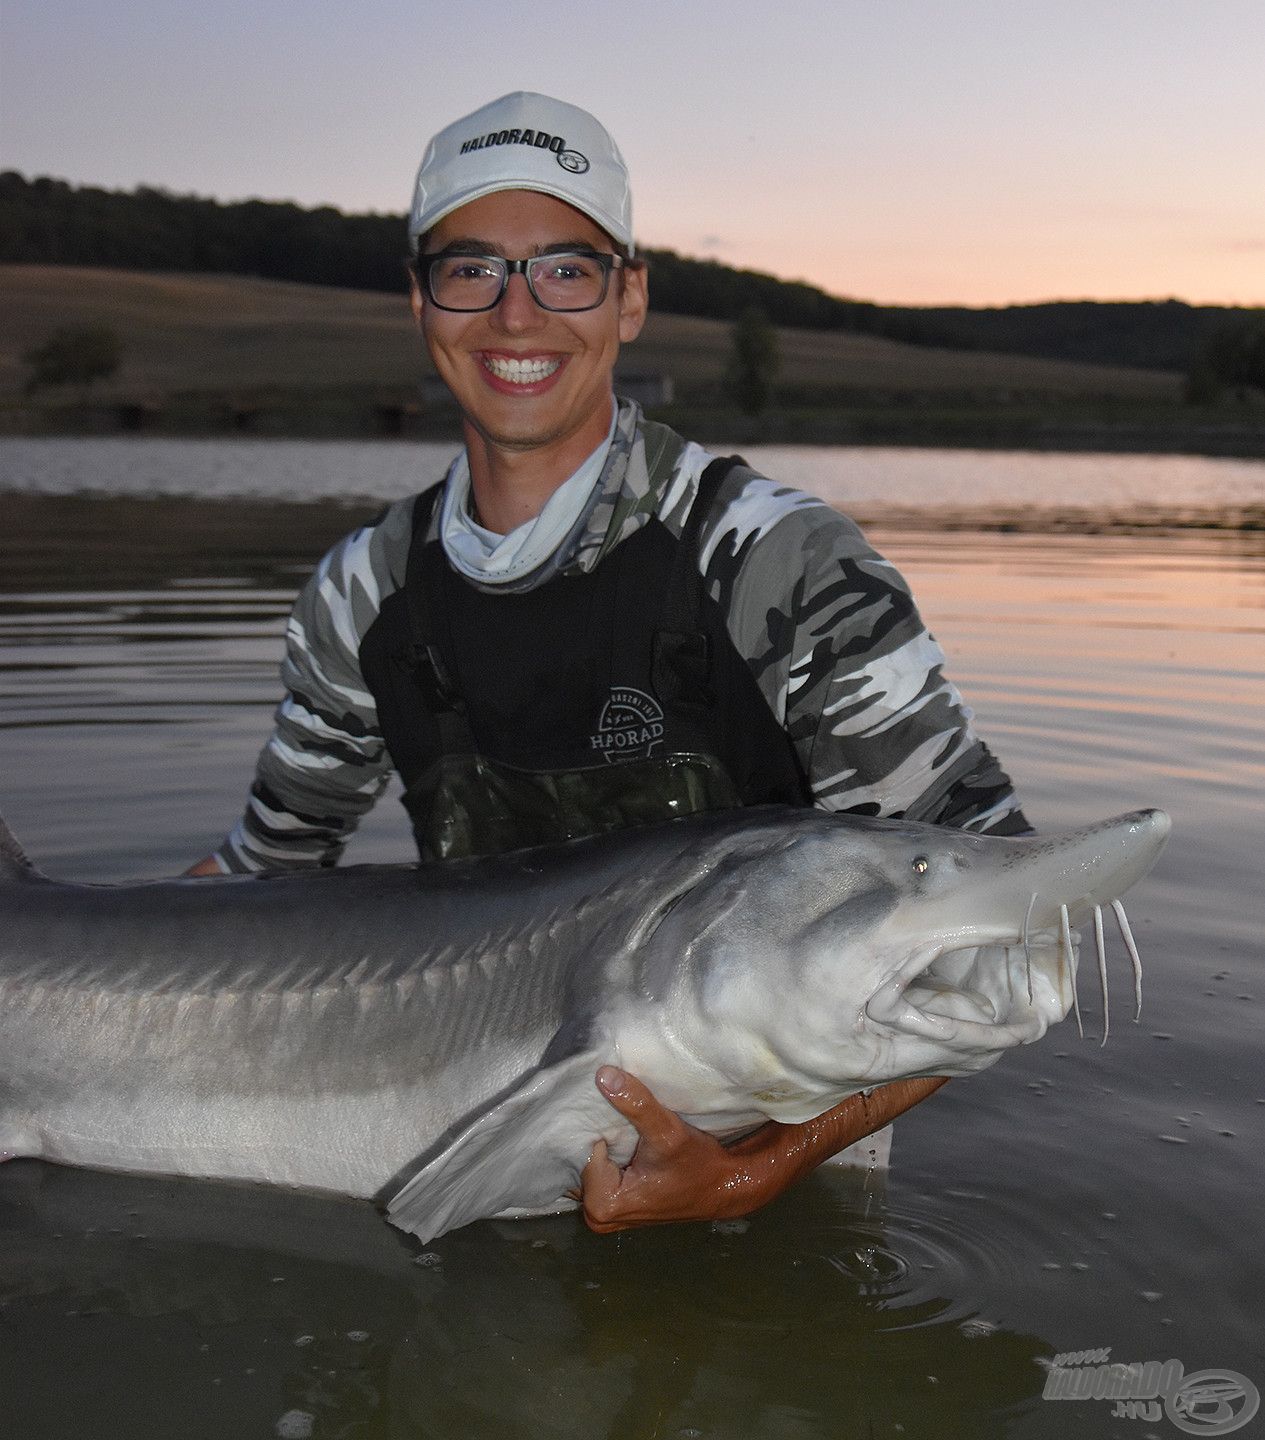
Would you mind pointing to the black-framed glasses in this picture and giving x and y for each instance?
(576, 280)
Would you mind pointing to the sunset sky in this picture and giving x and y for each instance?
(907, 151)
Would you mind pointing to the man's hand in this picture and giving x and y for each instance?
(677, 1172)
(680, 1173)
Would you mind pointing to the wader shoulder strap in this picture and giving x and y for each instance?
(682, 650)
(439, 694)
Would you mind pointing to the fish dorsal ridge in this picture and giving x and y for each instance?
(13, 862)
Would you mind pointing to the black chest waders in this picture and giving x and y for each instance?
(591, 703)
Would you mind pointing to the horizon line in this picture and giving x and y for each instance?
(143, 185)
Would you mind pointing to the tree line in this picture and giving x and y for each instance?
(48, 221)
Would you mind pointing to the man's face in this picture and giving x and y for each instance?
(564, 399)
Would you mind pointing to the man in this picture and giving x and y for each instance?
(594, 623)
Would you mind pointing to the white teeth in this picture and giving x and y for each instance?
(521, 372)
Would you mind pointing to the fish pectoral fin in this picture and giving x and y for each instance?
(521, 1155)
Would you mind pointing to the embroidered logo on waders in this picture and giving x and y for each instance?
(630, 725)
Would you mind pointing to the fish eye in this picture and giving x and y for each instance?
(920, 864)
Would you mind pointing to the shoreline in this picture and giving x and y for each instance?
(1129, 430)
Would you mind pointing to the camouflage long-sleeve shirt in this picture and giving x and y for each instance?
(827, 625)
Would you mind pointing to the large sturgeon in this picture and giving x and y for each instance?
(428, 1036)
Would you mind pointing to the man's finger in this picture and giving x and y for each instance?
(655, 1123)
(594, 1166)
(600, 1178)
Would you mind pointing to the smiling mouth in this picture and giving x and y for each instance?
(529, 371)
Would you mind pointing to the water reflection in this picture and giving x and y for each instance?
(272, 1305)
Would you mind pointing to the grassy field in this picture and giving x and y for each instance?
(201, 349)
(200, 332)
(210, 332)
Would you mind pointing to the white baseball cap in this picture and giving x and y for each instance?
(524, 141)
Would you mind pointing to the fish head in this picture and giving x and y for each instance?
(865, 951)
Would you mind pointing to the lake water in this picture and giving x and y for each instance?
(1072, 1198)
(862, 479)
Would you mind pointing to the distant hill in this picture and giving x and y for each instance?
(50, 222)
(232, 333)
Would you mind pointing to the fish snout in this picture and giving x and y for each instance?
(1081, 869)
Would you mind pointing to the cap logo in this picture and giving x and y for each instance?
(541, 139)
(571, 160)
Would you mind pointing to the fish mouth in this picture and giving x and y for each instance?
(1005, 989)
